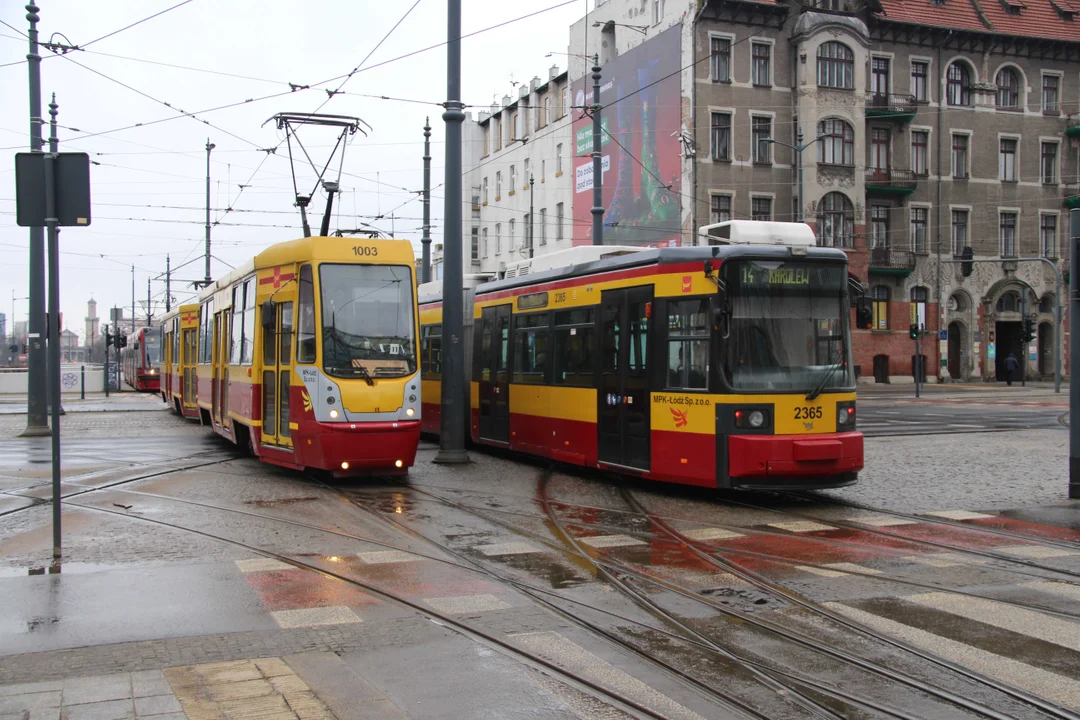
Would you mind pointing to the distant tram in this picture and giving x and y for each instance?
(179, 344)
(141, 360)
(721, 366)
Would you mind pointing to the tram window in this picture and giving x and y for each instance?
(531, 348)
(247, 350)
(205, 335)
(237, 324)
(609, 351)
(688, 344)
(573, 352)
(286, 333)
(305, 334)
(431, 351)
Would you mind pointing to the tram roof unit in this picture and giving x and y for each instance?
(663, 256)
(758, 232)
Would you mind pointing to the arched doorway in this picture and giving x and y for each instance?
(956, 369)
(1046, 349)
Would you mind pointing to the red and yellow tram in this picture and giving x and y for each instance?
(308, 355)
(140, 361)
(179, 345)
(720, 366)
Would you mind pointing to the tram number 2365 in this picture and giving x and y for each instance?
(807, 413)
(365, 251)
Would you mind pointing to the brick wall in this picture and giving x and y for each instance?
(896, 343)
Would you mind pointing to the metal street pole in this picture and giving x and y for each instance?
(1023, 361)
(597, 171)
(425, 239)
(531, 218)
(209, 146)
(149, 313)
(107, 359)
(53, 346)
(168, 284)
(455, 410)
(799, 147)
(1074, 352)
(132, 299)
(37, 423)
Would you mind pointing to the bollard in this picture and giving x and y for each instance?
(82, 382)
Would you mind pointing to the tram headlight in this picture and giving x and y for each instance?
(333, 414)
(753, 418)
(410, 412)
(756, 418)
(845, 416)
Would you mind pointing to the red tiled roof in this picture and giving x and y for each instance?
(1037, 18)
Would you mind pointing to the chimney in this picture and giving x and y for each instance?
(534, 84)
(506, 100)
(494, 109)
(483, 116)
(523, 91)
(553, 72)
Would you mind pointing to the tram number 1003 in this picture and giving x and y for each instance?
(365, 251)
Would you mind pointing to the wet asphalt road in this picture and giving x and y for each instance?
(529, 590)
(881, 416)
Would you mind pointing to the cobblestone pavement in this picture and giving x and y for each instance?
(155, 422)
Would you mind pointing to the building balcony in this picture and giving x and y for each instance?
(891, 181)
(886, 261)
(891, 106)
(1072, 198)
(1072, 127)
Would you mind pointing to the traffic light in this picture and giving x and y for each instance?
(967, 267)
(121, 341)
(913, 331)
(1028, 329)
(110, 338)
(864, 313)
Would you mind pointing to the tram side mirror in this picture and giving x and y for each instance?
(864, 313)
(269, 314)
(719, 313)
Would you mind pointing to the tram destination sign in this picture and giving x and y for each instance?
(782, 276)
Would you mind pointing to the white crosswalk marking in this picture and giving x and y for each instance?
(606, 541)
(704, 534)
(384, 557)
(1057, 688)
(1065, 590)
(852, 567)
(507, 548)
(1026, 622)
(877, 520)
(945, 559)
(800, 526)
(1035, 552)
(309, 617)
(821, 571)
(958, 514)
(262, 565)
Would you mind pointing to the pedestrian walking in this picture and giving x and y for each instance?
(1011, 365)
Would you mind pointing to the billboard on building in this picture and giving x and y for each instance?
(641, 158)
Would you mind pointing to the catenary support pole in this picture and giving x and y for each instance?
(798, 158)
(206, 277)
(132, 299)
(455, 411)
(52, 222)
(37, 423)
(425, 239)
(168, 283)
(1074, 352)
(107, 360)
(597, 169)
(149, 312)
(532, 220)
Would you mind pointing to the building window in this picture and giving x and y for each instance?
(1008, 88)
(721, 60)
(760, 54)
(761, 208)
(498, 184)
(565, 100)
(920, 145)
(879, 77)
(835, 66)
(1008, 234)
(960, 156)
(1048, 236)
(1050, 93)
(919, 86)
(525, 177)
(558, 159)
(721, 136)
(879, 226)
(657, 11)
(879, 294)
(546, 116)
(510, 237)
(513, 178)
(721, 209)
(474, 253)
(880, 151)
(837, 144)
(484, 235)
(762, 132)
(543, 226)
(919, 225)
(1007, 160)
(959, 232)
(1048, 162)
(919, 296)
(543, 170)
(498, 238)
(836, 221)
(558, 221)
(485, 191)
(958, 84)
(1009, 302)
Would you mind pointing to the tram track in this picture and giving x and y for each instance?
(796, 636)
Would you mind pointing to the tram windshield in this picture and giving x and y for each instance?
(153, 351)
(788, 328)
(367, 321)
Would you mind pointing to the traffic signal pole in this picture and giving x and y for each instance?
(1074, 352)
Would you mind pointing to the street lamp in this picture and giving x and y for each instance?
(798, 147)
(643, 29)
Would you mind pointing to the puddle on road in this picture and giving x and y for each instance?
(282, 501)
(70, 568)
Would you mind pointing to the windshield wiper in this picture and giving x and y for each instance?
(361, 370)
(825, 380)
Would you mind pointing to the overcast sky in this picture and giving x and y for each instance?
(149, 189)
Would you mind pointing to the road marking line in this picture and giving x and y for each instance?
(801, 526)
(1036, 551)
(1025, 622)
(703, 534)
(308, 617)
(958, 514)
(1058, 688)
(1055, 588)
(385, 557)
(821, 571)
(507, 548)
(466, 604)
(262, 565)
(942, 560)
(879, 520)
(606, 541)
(852, 567)
(579, 661)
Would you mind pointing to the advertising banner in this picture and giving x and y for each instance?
(641, 155)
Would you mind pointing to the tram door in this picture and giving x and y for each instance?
(220, 363)
(494, 374)
(277, 375)
(623, 393)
